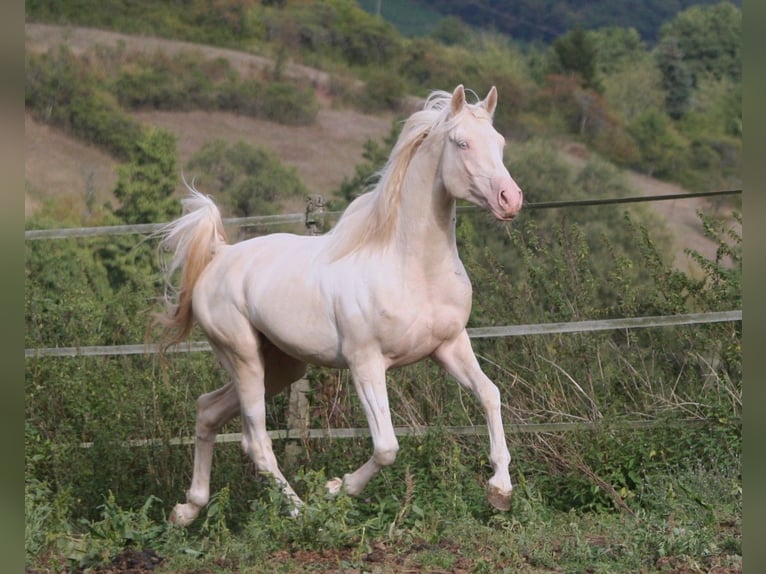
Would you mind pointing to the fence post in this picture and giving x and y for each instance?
(298, 405)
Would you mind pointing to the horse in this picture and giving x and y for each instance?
(384, 288)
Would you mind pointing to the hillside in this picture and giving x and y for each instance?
(535, 20)
(58, 165)
(323, 153)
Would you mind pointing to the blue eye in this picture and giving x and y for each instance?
(462, 144)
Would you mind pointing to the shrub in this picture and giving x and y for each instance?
(59, 90)
(246, 180)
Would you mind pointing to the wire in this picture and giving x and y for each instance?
(637, 199)
(32, 234)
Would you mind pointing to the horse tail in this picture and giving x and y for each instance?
(193, 241)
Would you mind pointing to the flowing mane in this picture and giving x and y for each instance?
(370, 219)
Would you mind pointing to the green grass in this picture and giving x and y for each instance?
(684, 516)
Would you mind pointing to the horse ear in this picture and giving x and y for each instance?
(458, 99)
(490, 102)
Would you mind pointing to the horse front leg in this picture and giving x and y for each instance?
(369, 378)
(458, 359)
(214, 410)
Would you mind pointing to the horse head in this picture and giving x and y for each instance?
(472, 160)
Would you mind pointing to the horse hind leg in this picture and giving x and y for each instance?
(245, 354)
(217, 408)
(214, 410)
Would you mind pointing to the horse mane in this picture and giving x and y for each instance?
(370, 218)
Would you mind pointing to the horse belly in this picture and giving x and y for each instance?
(293, 316)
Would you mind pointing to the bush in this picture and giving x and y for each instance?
(59, 90)
(246, 180)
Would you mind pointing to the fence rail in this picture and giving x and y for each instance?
(474, 333)
(402, 431)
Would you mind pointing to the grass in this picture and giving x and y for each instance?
(685, 517)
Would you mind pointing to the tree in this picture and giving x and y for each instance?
(703, 41)
(450, 31)
(709, 39)
(145, 184)
(677, 79)
(375, 156)
(634, 89)
(616, 49)
(662, 148)
(576, 54)
(145, 187)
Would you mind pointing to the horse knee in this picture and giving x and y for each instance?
(386, 455)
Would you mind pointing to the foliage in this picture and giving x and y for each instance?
(88, 95)
(335, 28)
(410, 17)
(615, 48)
(634, 89)
(145, 185)
(662, 148)
(222, 22)
(699, 43)
(188, 81)
(564, 481)
(691, 515)
(246, 180)
(375, 156)
(613, 498)
(60, 90)
(677, 79)
(709, 39)
(576, 54)
(601, 85)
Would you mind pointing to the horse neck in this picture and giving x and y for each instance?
(425, 229)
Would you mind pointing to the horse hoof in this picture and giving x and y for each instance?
(334, 486)
(183, 514)
(499, 499)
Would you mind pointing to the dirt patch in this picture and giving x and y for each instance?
(60, 166)
(323, 153)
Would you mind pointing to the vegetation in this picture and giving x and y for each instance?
(672, 110)
(545, 20)
(90, 96)
(86, 506)
(609, 498)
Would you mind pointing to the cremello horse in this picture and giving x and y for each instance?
(384, 288)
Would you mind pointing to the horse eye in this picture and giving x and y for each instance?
(462, 144)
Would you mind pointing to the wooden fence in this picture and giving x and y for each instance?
(297, 428)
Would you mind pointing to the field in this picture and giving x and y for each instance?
(661, 499)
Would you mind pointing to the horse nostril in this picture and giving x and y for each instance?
(510, 199)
